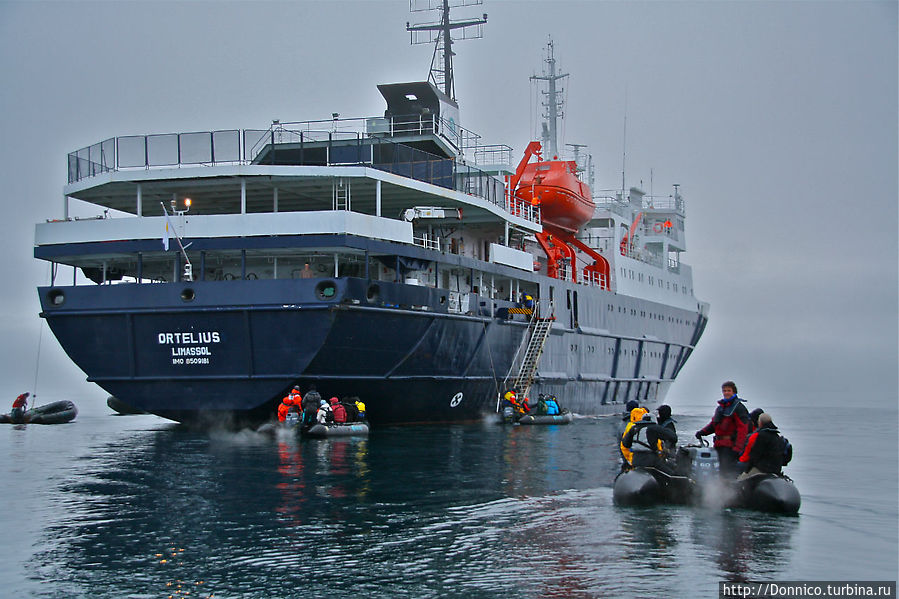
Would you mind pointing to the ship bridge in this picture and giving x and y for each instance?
(289, 194)
(379, 166)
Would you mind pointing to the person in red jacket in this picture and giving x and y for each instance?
(17, 414)
(730, 424)
(338, 410)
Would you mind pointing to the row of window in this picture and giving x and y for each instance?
(628, 273)
(650, 315)
(633, 352)
(624, 352)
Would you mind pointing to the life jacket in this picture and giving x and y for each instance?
(730, 425)
(636, 416)
(517, 406)
(339, 412)
(21, 401)
(640, 442)
(361, 407)
(282, 411)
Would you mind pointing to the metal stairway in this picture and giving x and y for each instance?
(538, 330)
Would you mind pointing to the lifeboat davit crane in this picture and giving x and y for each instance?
(565, 206)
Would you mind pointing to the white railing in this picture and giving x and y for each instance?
(522, 209)
(427, 241)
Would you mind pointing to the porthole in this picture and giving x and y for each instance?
(56, 297)
(187, 294)
(373, 293)
(326, 290)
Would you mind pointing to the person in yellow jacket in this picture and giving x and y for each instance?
(627, 455)
(360, 407)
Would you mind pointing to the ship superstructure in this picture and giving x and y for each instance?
(386, 257)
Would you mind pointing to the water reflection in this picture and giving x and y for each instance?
(467, 511)
(745, 544)
(649, 534)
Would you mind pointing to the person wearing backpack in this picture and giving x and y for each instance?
(766, 450)
(338, 411)
(552, 405)
(310, 403)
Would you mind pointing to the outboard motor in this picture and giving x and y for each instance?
(698, 462)
(292, 419)
(508, 414)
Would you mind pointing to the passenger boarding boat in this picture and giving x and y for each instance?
(387, 258)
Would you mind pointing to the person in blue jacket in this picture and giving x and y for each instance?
(552, 405)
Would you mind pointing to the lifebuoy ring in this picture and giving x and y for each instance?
(657, 227)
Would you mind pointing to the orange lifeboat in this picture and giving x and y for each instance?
(565, 207)
(564, 200)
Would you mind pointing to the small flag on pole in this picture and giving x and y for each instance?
(165, 234)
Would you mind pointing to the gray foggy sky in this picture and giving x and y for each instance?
(778, 119)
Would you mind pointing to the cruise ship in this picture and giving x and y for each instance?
(396, 258)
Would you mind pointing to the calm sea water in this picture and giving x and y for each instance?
(136, 506)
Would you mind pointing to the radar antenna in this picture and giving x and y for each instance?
(441, 74)
(554, 103)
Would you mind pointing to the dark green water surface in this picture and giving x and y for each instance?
(113, 506)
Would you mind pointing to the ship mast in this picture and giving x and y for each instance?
(554, 103)
(440, 33)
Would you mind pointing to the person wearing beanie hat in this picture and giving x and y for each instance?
(765, 449)
(730, 423)
(626, 417)
(754, 420)
(290, 402)
(323, 416)
(338, 411)
(666, 421)
(310, 405)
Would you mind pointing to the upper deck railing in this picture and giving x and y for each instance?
(364, 142)
(242, 146)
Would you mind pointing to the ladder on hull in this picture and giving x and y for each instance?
(538, 332)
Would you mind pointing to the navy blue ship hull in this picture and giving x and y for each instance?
(231, 350)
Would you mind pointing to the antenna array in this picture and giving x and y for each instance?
(441, 34)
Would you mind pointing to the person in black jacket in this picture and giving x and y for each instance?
(646, 439)
(310, 403)
(666, 421)
(764, 451)
(754, 421)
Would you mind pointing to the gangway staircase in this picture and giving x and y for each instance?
(538, 333)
